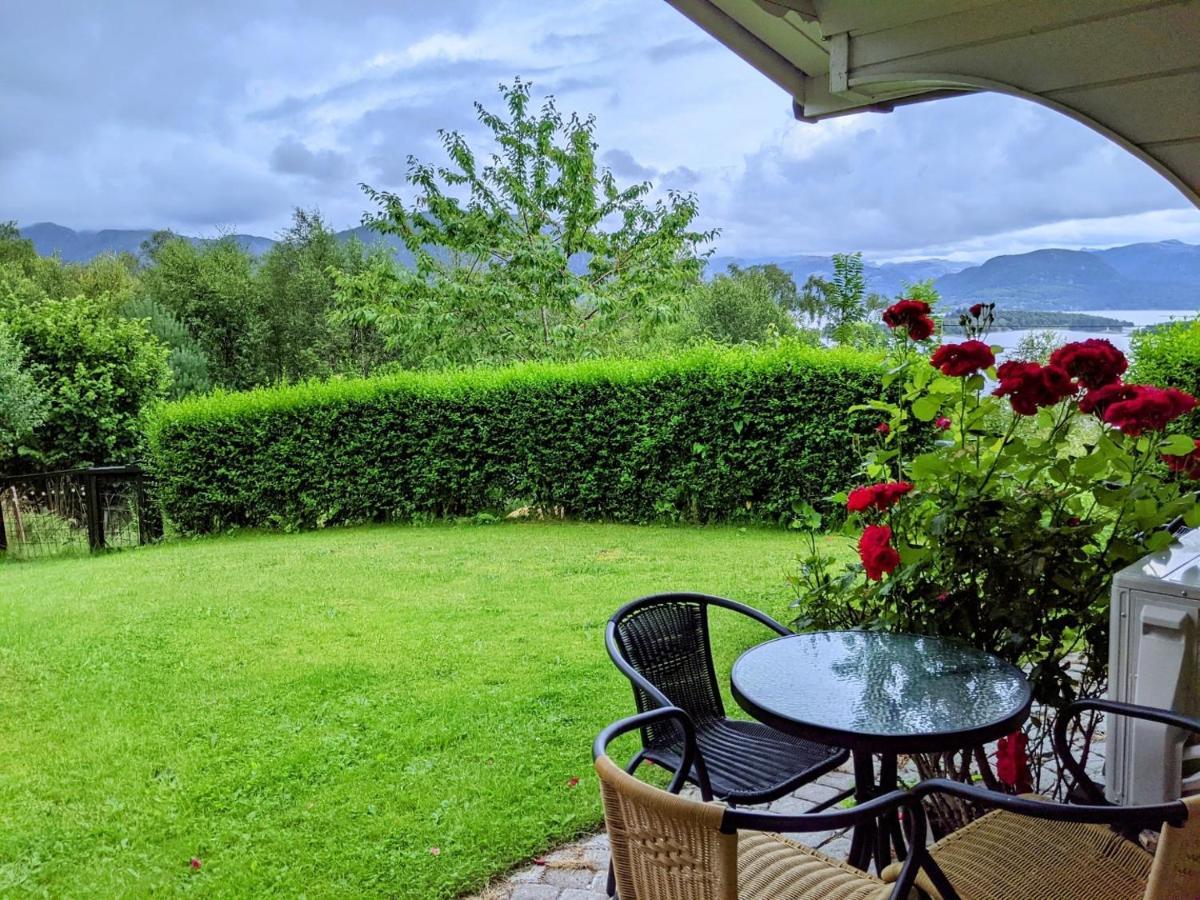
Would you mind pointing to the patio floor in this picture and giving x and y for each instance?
(579, 871)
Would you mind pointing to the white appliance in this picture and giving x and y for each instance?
(1154, 659)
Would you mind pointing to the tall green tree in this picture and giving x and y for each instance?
(297, 280)
(532, 252)
(187, 360)
(213, 289)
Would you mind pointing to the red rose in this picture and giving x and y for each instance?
(941, 423)
(1093, 363)
(960, 360)
(1188, 466)
(1148, 409)
(860, 499)
(877, 496)
(976, 310)
(1030, 386)
(875, 550)
(1099, 399)
(1012, 762)
(883, 427)
(911, 315)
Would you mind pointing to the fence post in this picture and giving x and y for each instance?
(95, 527)
(3, 530)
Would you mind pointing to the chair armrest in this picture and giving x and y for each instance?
(759, 820)
(1112, 707)
(1153, 816)
(688, 757)
(757, 615)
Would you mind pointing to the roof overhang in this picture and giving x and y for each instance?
(1130, 70)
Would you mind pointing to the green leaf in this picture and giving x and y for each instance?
(926, 408)
(1177, 445)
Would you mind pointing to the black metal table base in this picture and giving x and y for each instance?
(876, 840)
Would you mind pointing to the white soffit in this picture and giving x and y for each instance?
(1130, 70)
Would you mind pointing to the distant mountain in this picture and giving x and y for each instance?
(80, 246)
(883, 278)
(1163, 275)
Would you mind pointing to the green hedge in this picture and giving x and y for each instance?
(706, 436)
(1169, 356)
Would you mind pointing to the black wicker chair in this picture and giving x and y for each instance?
(661, 644)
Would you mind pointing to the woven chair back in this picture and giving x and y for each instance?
(668, 643)
(1175, 873)
(665, 847)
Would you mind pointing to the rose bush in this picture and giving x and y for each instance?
(998, 513)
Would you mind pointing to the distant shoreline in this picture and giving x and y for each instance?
(1026, 320)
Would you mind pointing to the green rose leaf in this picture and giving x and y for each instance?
(1178, 445)
(926, 408)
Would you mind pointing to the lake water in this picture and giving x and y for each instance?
(1139, 318)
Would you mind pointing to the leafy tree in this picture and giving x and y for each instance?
(741, 308)
(780, 284)
(297, 278)
(213, 290)
(535, 252)
(98, 372)
(22, 404)
(186, 359)
(813, 299)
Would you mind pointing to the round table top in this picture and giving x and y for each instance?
(899, 693)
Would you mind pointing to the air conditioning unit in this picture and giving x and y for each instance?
(1154, 659)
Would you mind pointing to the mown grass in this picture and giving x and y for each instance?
(310, 714)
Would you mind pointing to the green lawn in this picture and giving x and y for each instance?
(309, 714)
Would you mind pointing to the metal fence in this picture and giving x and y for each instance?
(76, 509)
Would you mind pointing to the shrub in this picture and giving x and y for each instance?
(708, 435)
(1169, 356)
(97, 372)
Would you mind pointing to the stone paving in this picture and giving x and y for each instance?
(579, 871)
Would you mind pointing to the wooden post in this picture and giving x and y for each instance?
(3, 532)
(94, 526)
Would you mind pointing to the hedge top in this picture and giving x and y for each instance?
(226, 405)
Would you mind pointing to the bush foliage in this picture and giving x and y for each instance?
(1169, 356)
(704, 436)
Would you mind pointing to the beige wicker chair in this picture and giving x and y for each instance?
(668, 847)
(1027, 848)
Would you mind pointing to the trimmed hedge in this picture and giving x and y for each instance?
(1169, 356)
(705, 436)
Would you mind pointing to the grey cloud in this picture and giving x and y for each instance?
(679, 47)
(938, 173)
(292, 157)
(623, 164)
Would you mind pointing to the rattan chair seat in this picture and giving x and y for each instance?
(1006, 856)
(771, 867)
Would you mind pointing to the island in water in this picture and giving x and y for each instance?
(1026, 319)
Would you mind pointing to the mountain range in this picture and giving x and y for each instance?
(1159, 275)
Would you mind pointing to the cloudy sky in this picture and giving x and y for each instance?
(201, 116)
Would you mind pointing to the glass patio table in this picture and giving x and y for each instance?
(882, 694)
